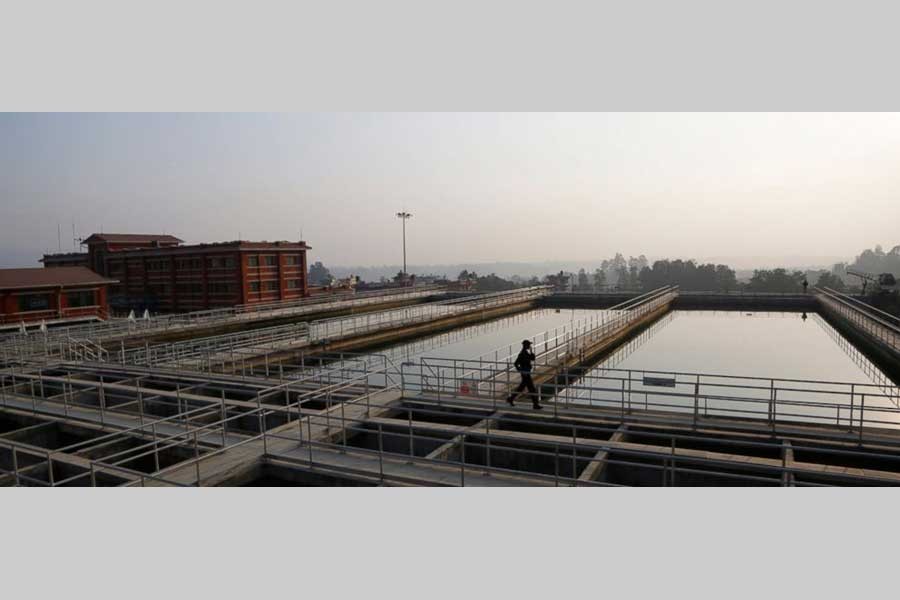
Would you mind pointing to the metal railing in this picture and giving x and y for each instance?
(197, 353)
(123, 328)
(623, 392)
(321, 427)
(555, 347)
(205, 353)
(341, 327)
(205, 426)
(876, 323)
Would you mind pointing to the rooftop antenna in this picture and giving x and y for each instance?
(59, 237)
(74, 240)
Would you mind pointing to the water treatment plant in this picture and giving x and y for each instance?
(406, 387)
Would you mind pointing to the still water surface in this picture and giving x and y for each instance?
(778, 347)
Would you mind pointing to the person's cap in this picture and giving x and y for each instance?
(526, 342)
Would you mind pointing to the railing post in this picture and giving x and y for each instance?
(197, 457)
(102, 401)
(15, 461)
(862, 412)
(309, 436)
(140, 400)
(696, 403)
(462, 461)
(380, 454)
(774, 408)
(50, 469)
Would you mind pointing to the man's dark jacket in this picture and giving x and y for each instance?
(524, 360)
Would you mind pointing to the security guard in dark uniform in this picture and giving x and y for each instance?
(524, 363)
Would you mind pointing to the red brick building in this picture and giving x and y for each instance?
(160, 274)
(66, 259)
(52, 293)
(100, 245)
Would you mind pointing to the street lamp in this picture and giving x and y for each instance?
(404, 216)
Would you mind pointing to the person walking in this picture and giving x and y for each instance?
(524, 363)
(805, 285)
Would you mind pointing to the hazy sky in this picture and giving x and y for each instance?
(481, 187)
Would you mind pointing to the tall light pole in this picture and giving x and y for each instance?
(403, 216)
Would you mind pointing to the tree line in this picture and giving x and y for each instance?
(637, 274)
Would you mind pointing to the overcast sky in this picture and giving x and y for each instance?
(481, 187)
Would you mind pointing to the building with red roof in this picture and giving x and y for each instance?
(52, 294)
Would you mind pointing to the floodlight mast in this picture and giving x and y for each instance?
(403, 216)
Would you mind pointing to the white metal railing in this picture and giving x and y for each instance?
(554, 347)
(876, 323)
(697, 395)
(340, 408)
(203, 353)
(341, 327)
(36, 342)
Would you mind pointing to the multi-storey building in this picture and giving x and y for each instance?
(159, 273)
(202, 276)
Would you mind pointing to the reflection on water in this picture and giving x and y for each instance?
(498, 337)
(769, 344)
(476, 340)
(752, 358)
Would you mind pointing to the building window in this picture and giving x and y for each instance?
(254, 286)
(189, 289)
(157, 265)
(30, 302)
(291, 260)
(159, 290)
(221, 287)
(293, 284)
(215, 262)
(79, 299)
(252, 261)
(229, 262)
(270, 286)
(271, 261)
(188, 264)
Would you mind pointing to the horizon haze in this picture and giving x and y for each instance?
(482, 188)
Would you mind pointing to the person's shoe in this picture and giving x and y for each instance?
(536, 406)
(510, 401)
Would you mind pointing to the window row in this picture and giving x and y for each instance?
(271, 260)
(191, 289)
(43, 301)
(272, 286)
(189, 264)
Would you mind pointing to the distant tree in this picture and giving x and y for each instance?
(599, 279)
(494, 283)
(319, 275)
(829, 280)
(583, 285)
(687, 275)
(876, 261)
(726, 281)
(559, 281)
(776, 280)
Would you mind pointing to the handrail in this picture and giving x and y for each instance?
(159, 323)
(877, 313)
